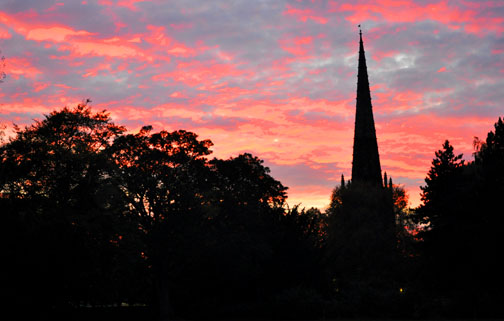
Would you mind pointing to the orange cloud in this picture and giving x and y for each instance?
(101, 49)
(56, 34)
(309, 196)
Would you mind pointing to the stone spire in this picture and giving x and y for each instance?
(366, 161)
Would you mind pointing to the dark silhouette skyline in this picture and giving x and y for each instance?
(100, 223)
(95, 217)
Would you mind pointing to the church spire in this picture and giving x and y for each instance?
(366, 161)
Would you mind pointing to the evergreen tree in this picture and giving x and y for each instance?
(448, 240)
(489, 157)
(441, 181)
(488, 219)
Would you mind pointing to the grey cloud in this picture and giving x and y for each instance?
(15, 6)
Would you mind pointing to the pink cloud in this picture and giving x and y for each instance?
(130, 4)
(410, 11)
(305, 15)
(101, 49)
(297, 46)
(206, 75)
(21, 66)
(4, 33)
(162, 41)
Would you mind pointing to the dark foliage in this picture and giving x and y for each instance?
(93, 217)
(362, 257)
(65, 229)
(460, 240)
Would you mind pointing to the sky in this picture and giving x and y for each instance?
(275, 78)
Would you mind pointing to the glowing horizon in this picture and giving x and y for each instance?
(274, 78)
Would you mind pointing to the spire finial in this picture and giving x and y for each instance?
(360, 30)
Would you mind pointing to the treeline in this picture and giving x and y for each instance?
(462, 217)
(95, 218)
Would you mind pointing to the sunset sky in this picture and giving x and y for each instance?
(275, 78)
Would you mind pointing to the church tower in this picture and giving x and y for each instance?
(366, 161)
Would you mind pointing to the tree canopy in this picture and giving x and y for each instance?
(94, 215)
(102, 216)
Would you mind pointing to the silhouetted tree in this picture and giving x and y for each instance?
(441, 183)
(489, 158)
(231, 239)
(216, 230)
(65, 224)
(164, 178)
(488, 221)
(244, 180)
(448, 247)
(159, 171)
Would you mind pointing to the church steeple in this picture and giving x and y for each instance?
(366, 161)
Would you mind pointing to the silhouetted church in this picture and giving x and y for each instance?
(366, 160)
